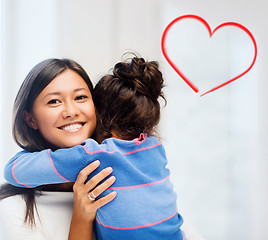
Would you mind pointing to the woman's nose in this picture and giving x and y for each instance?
(70, 110)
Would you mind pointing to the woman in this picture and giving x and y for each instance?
(51, 209)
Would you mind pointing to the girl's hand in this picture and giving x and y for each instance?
(84, 206)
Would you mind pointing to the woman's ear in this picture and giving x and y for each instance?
(28, 118)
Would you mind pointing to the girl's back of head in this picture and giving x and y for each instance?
(126, 101)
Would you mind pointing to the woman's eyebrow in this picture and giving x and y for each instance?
(59, 93)
(51, 93)
(79, 89)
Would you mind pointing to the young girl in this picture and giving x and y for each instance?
(49, 210)
(128, 111)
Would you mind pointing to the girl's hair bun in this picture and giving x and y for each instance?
(142, 76)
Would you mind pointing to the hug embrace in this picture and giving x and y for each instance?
(92, 166)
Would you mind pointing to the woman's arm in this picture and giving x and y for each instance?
(84, 208)
(32, 169)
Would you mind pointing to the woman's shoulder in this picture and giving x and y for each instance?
(13, 205)
(12, 217)
(54, 210)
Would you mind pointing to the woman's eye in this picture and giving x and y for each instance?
(54, 101)
(81, 97)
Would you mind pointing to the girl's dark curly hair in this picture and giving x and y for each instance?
(126, 101)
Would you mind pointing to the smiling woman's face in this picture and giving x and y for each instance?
(64, 112)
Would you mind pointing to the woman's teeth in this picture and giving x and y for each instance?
(72, 127)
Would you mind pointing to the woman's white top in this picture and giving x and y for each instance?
(55, 210)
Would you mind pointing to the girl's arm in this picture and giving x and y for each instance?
(84, 209)
(32, 169)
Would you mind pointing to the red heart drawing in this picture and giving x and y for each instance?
(237, 25)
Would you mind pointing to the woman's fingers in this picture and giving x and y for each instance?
(93, 182)
(82, 176)
(104, 200)
(102, 187)
(85, 205)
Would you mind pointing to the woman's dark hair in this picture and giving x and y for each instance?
(126, 101)
(26, 137)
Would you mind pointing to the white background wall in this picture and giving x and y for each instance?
(216, 145)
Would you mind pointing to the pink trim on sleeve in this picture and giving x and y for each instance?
(53, 166)
(13, 174)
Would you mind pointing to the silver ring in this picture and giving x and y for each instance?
(92, 196)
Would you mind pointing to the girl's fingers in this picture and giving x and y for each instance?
(104, 200)
(102, 187)
(82, 176)
(93, 182)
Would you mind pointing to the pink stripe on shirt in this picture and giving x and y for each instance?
(137, 227)
(140, 185)
(127, 153)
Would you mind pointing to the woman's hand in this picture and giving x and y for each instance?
(84, 206)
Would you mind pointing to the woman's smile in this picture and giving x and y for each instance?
(72, 127)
